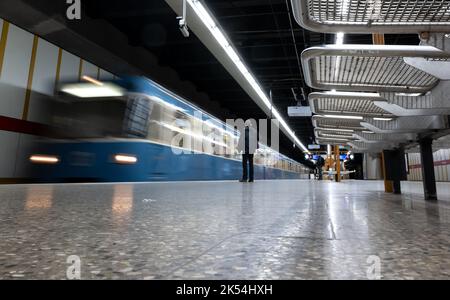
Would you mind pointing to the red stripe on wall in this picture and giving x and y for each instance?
(436, 163)
(21, 126)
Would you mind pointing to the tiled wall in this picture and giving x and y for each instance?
(30, 67)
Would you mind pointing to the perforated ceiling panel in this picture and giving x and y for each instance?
(373, 15)
(323, 122)
(361, 104)
(368, 68)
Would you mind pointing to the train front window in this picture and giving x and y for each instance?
(137, 116)
(89, 118)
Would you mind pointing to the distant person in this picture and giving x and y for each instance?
(248, 143)
(320, 163)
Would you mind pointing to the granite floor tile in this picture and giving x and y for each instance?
(223, 230)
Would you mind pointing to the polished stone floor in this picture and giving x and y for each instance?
(224, 230)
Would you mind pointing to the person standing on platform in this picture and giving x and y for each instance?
(319, 164)
(248, 143)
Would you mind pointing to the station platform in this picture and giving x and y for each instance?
(293, 229)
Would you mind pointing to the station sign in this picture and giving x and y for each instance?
(313, 147)
(299, 111)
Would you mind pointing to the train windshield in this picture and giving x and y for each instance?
(89, 119)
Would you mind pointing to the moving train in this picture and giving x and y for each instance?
(132, 130)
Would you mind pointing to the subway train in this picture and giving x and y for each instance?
(134, 130)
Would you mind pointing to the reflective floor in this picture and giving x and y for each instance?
(224, 230)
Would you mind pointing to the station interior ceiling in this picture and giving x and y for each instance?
(264, 32)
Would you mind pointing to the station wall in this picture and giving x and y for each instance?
(441, 165)
(30, 69)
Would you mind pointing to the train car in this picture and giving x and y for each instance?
(134, 130)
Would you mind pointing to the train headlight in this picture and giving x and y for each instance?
(125, 159)
(44, 159)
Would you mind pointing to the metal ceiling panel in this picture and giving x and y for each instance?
(371, 68)
(333, 134)
(361, 104)
(331, 141)
(370, 16)
(359, 146)
(335, 123)
(379, 138)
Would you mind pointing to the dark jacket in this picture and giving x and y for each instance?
(248, 141)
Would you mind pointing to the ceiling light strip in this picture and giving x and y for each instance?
(208, 21)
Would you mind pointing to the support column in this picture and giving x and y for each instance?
(337, 158)
(428, 177)
(388, 184)
(396, 185)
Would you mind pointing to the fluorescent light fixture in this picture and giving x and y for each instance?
(339, 38)
(335, 129)
(409, 94)
(382, 119)
(333, 139)
(337, 135)
(343, 117)
(354, 94)
(339, 41)
(44, 159)
(85, 90)
(125, 159)
(215, 31)
(371, 132)
(92, 80)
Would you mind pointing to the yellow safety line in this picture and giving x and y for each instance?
(58, 68)
(3, 40)
(80, 69)
(30, 78)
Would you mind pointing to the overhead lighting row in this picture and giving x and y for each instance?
(217, 33)
(353, 117)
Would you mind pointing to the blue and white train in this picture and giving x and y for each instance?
(126, 131)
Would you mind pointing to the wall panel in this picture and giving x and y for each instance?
(89, 70)
(16, 65)
(23, 153)
(8, 150)
(105, 75)
(69, 67)
(43, 81)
